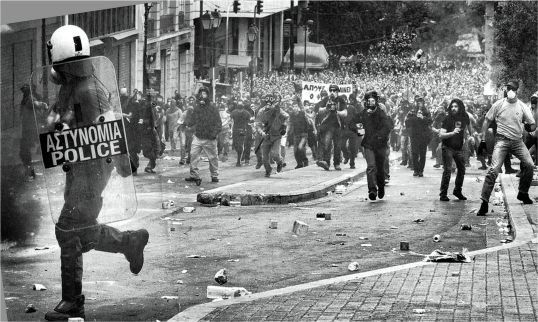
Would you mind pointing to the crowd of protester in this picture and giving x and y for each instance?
(400, 81)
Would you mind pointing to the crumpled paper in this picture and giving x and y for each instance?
(440, 256)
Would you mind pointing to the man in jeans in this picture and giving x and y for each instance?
(512, 117)
(205, 119)
(377, 126)
(452, 135)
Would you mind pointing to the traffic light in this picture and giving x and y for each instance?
(259, 6)
(237, 6)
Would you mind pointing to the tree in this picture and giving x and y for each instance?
(516, 34)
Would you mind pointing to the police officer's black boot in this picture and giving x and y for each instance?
(72, 303)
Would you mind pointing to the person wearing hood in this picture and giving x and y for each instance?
(452, 134)
(419, 124)
(377, 126)
(332, 110)
(512, 117)
(205, 119)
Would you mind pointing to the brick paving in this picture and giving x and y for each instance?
(500, 284)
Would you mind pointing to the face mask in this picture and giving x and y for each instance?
(511, 95)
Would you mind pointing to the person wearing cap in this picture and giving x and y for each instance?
(377, 126)
(512, 117)
(205, 119)
(29, 130)
(418, 124)
(331, 109)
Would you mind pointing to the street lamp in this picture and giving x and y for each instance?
(252, 35)
(211, 21)
(289, 22)
(306, 27)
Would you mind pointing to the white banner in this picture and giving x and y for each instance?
(312, 91)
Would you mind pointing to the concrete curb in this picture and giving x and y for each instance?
(221, 196)
(516, 213)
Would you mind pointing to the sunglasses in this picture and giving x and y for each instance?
(333, 90)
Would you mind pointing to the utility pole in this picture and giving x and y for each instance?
(145, 79)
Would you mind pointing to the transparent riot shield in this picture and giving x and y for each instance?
(83, 144)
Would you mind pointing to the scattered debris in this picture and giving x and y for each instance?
(432, 210)
(179, 282)
(39, 287)
(419, 311)
(323, 216)
(299, 227)
(168, 297)
(455, 274)
(440, 256)
(393, 227)
(353, 266)
(336, 242)
(196, 256)
(189, 209)
(404, 245)
(366, 245)
(402, 194)
(42, 248)
(184, 271)
(221, 276)
(340, 189)
(436, 238)
(506, 241)
(478, 179)
(473, 210)
(170, 181)
(273, 224)
(220, 292)
(466, 227)
(233, 260)
(363, 238)
(419, 220)
(30, 309)
(333, 265)
(340, 234)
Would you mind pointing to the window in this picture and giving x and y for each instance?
(103, 22)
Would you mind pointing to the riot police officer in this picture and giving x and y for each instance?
(81, 101)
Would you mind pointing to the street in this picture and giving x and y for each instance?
(239, 239)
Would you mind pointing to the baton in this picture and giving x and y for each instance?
(259, 145)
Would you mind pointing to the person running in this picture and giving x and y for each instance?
(512, 117)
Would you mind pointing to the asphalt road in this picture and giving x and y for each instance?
(236, 238)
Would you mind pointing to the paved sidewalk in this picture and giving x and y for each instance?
(500, 284)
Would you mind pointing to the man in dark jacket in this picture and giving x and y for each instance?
(377, 126)
(419, 124)
(332, 110)
(205, 119)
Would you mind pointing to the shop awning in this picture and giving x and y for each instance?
(316, 56)
(234, 61)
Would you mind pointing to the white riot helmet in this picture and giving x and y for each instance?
(70, 43)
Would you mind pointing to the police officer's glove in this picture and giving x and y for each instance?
(283, 131)
(482, 148)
